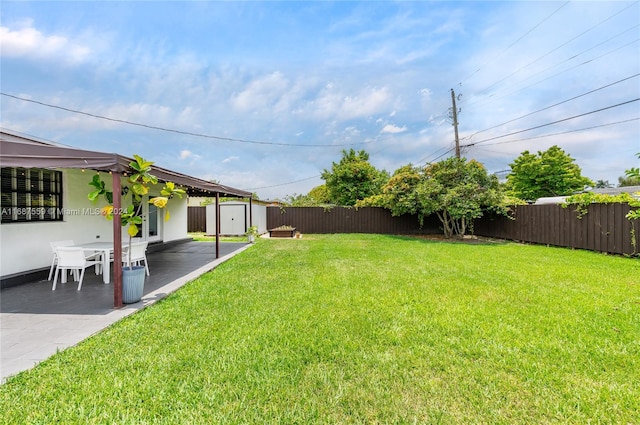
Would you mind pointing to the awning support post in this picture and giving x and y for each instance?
(217, 225)
(250, 212)
(117, 242)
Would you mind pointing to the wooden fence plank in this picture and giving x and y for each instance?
(615, 228)
(594, 227)
(196, 219)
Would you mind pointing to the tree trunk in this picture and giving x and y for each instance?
(447, 223)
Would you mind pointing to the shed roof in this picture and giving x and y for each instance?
(617, 190)
(632, 190)
(21, 151)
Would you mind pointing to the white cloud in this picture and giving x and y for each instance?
(426, 93)
(28, 42)
(393, 129)
(184, 154)
(230, 159)
(261, 92)
(346, 106)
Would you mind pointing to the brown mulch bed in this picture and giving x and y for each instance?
(467, 239)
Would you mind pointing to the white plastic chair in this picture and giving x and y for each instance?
(70, 258)
(136, 255)
(54, 247)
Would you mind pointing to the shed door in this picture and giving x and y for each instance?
(233, 219)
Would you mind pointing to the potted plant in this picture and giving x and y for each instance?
(251, 233)
(139, 183)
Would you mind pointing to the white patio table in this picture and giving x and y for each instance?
(104, 248)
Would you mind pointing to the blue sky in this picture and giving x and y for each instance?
(281, 88)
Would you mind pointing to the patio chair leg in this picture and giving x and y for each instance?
(53, 264)
(55, 280)
(81, 277)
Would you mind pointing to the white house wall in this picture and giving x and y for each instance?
(200, 201)
(25, 246)
(176, 227)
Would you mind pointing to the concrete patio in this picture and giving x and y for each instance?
(36, 322)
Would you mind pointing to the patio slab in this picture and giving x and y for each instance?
(36, 322)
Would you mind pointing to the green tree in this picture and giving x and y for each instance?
(603, 184)
(400, 193)
(632, 176)
(456, 190)
(319, 194)
(548, 173)
(628, 181)
(316, 197)
(353, 178)
(299, 200)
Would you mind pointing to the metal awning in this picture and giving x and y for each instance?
(20, 151)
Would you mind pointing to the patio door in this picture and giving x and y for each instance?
(151, 229)
(152, 223)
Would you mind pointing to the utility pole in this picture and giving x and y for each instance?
(455, 122)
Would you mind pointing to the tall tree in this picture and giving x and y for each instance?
(548, 173)
(456, 190)
(353, 178)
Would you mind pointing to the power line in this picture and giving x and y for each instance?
(561, 133)
(556, 104)
(491, 98)
(452, 149)
(518, 40)
(285, 184)
(586, 62)
(169, 130)
(425, 158)
(555, 49)
(554, 122)
(297, 181)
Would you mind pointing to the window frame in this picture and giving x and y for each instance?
(31, 195)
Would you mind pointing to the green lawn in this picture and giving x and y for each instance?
(363, 329)
(202, 237)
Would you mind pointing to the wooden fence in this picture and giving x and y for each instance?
(196, 219)
(604, 228)
(347, 220)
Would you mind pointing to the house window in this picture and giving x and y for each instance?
(30, 194)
